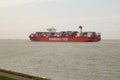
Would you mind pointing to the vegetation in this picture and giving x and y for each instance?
(23, 75)
(6, 78)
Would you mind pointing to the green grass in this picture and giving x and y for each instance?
(6, 78)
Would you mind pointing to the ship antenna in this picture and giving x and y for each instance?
(80, 29)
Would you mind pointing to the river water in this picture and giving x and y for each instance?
(63, 60)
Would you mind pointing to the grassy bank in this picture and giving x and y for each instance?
(23, 75)
(6, 78)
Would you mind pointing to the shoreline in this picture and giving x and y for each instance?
(19, 76)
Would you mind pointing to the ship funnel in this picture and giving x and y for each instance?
(80, 29)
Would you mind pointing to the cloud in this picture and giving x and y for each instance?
(113, 17)
(12, 3)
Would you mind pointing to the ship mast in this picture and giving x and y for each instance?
(51, 29)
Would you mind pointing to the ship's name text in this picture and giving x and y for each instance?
(58, 39)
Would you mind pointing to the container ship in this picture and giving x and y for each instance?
(51, 35)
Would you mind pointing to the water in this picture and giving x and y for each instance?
(62, 60)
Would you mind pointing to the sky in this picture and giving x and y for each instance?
(19, 18)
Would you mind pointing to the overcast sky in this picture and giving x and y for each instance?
(19, 18)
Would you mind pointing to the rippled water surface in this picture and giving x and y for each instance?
(63, 60)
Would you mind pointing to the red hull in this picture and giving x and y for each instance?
(65, 39)
(65, 36)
